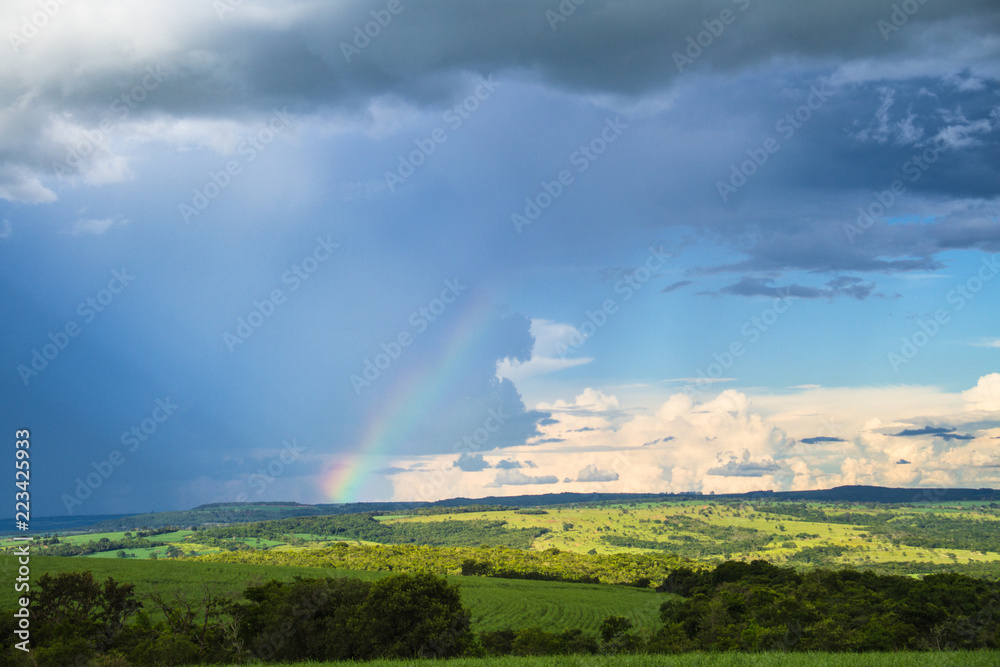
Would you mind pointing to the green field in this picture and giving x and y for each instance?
(634, 543)
(898, 539)
(908, 659)
(494, 603)
(664, 523)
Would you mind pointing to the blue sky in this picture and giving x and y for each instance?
(251, 253)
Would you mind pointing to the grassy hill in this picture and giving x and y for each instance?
(959, 537)
(239, 512)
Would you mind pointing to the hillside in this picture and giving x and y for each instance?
(229, 513)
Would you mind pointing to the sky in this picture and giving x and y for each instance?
(331, 252)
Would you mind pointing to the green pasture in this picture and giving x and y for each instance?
(494, 603)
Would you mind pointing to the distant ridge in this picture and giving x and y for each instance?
(220, 513)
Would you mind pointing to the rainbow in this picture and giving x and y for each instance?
(410, 399)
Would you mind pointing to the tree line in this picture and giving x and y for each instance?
(366, 527)
(735, 606)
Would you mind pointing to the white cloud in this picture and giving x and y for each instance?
(95, 226)
(985, 395)
(730, 443)
(592, 473)
(18, 184)
(551, 340)
(963, 136)
(518, 478)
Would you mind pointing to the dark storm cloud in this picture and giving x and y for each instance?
(819, 439)
(605, 45)
(840, 286)
(946, 434)
(883, 178)
(947, 437)
(926, 430)
(677, 285)
(306, 59)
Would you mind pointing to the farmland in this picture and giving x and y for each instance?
(494, 603)
(915, 539)
(548, 574)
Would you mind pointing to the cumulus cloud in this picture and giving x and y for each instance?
(725, 444)
(517, 478)
(592, 473)
(506, 464)
(745, 467)
(552, 340)
(985, 395)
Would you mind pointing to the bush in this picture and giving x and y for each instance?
(406, 616)
(401, 616)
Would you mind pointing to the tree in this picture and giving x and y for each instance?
(408, 611)
(613, 626)
(73, 607)
(415, 615)
(307, 619)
